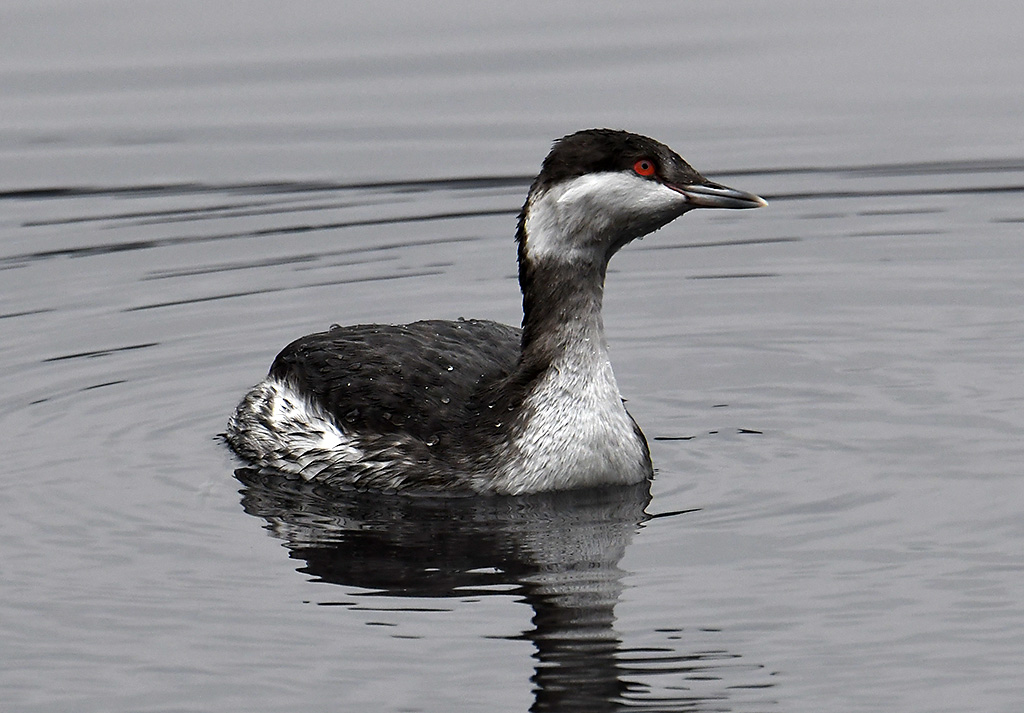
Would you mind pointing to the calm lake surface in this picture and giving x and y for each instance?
(833, 386)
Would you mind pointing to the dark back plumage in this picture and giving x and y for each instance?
(416, 378)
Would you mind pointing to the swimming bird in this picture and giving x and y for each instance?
(474, 406)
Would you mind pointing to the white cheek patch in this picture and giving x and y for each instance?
(561, 220)
(610, 188)
(616, 192)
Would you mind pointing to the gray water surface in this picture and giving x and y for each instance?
(832, 386)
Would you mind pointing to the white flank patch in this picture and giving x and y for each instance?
(281, 428)
(291, 413)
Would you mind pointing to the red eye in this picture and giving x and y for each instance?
(643, 167)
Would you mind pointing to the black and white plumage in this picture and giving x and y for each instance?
(477, 406)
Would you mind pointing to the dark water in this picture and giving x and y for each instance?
(832, 385)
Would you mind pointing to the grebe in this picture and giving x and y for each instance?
(477, 406)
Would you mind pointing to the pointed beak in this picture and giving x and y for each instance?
(713, 195)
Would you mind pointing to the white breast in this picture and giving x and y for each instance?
(577, 432)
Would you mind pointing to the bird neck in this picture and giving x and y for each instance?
(573, 429)
(561, 280)
(561, 309)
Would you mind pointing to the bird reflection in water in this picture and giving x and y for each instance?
(557, 552)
